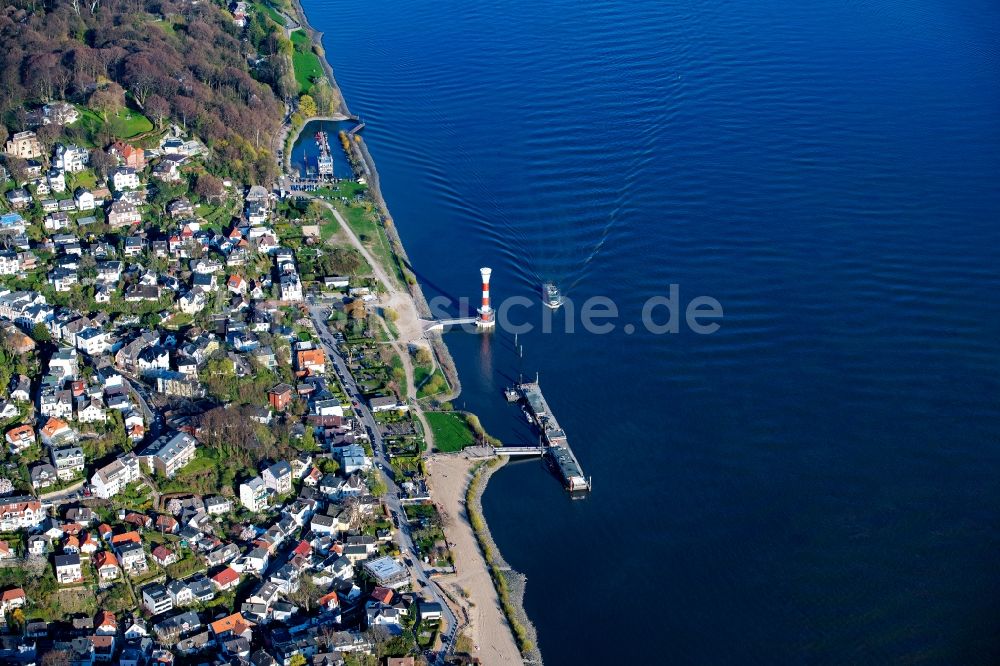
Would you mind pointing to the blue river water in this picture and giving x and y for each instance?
(816, 482)
(305, 152)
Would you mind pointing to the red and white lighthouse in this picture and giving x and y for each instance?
(487, 317)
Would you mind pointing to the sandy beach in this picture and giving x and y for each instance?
(472, 587)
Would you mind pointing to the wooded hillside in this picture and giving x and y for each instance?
(174, 60)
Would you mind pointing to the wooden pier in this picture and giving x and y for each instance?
(557, 447)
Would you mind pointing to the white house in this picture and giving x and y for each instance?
(192, 302)
(56, 221)
(68, 569)
(92, 341)
(278, 477)
(63, 364)
(10, 263)
(125, 178)
(113, 477)
(169, 453)
(156, 599)
(291, 287)
(68, 461)
(84, 199)
(218, 505)
(20, 512)
(56, 180)
(253, 494)
(92, 412)
(72, 159)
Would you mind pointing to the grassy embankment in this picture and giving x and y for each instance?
(363, 220)
(305, 61)
(429, 381)
(127, 124)
(272, 13)
(451, 431)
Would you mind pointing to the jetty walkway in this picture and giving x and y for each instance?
(557, 447)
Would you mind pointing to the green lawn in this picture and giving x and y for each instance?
(273, 13)
(372, 235)
(451, 433)
(329, 227)
(306, 63)
(345, 188)
(86, 178)
(429, 383)
(127, 124)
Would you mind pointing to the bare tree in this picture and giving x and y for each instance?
(306, 594)
(158, 109)
(56, 658)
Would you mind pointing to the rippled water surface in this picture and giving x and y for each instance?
(816, 482)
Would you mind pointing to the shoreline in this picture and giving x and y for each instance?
(513, 586)
(485, 592)
(439, 349)
(515, 582)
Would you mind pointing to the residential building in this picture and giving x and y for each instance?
(386, 404)
(217, 505)
(280, 396)
(163, 555)
(131, 156)
(68, 461)
(169, 453)
(20, 512)
(180, 593)
(91, 411)
(278, 477)
(291, 287)
(84, 199)
(226, 579)
(59, 113)
(11, 599)
(43, 475)
(123, 213)
(113, 477)
(311, 361)
(20, 438)
(125, 178)
(254, 494)
(24, 145)
(68, 569)
(156, 599)
(387, 572)
(72, 158)
(56, 181)
(106, 566)
(131, 557)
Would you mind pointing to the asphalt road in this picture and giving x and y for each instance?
(317, 312)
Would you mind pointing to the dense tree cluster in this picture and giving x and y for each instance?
(168, 58)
